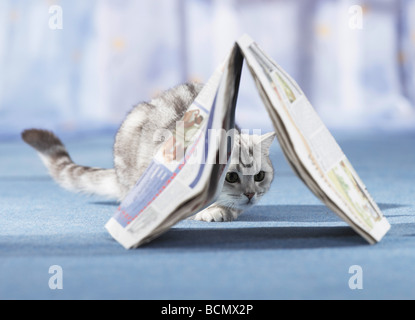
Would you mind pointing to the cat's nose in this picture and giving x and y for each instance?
(249, 195)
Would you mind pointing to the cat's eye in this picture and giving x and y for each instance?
(260, 176)
(232, 177)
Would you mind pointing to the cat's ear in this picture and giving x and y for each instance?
(266, 141)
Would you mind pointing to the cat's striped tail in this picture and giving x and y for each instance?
(68, 174)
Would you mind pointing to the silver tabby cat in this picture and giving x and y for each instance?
(134, 149)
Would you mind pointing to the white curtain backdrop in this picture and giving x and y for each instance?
(112, 54)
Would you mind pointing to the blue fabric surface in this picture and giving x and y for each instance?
(289, 247)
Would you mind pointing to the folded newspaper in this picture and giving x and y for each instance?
(172, 190)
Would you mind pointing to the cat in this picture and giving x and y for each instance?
(134, 147)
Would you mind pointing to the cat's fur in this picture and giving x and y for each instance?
(134, 148)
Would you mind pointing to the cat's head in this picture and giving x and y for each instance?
(250, 172)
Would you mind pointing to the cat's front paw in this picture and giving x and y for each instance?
(216, 214)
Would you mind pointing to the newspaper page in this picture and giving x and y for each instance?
(185, 175)
(187, 172)
(311, 149)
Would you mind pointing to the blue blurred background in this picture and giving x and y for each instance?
(112, 54)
